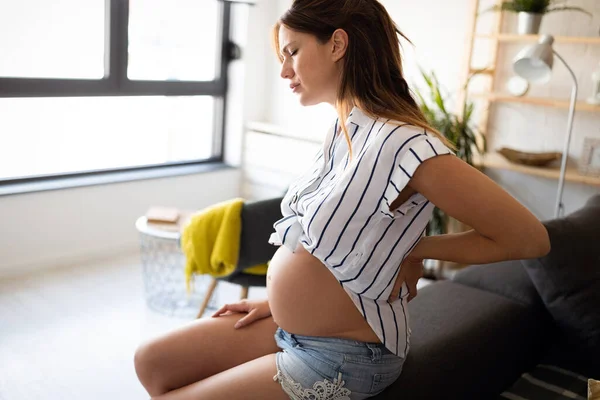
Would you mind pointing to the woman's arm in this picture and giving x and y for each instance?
(502, 228)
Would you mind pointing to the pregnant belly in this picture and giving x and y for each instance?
(306, 299)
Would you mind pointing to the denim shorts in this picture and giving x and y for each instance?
(326, 368)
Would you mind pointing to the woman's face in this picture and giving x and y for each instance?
(310, 67)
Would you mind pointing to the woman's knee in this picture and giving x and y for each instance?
(147, 367)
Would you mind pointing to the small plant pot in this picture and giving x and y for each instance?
(529, 23)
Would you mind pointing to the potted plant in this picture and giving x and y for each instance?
(530, 12)
(458, 129)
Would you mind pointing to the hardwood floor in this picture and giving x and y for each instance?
(71, 333)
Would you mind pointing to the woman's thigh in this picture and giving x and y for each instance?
(200, 349)
(252, 380)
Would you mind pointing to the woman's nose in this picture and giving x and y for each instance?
(287, 72)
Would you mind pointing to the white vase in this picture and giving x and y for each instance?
(529, 23)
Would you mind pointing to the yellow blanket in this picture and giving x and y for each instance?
(211, 242)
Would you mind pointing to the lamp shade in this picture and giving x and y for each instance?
(534, 63)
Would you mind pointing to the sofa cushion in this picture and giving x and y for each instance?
(506, 278)
(468, 343)
(568, 280)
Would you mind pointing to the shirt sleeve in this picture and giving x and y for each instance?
(403, 163)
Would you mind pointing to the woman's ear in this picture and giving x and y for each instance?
(339, 40)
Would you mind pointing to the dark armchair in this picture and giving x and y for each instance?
(258, 218)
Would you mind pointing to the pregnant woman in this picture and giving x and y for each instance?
(351, 238)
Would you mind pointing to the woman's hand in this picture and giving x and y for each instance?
(256, 309)
(411, 271)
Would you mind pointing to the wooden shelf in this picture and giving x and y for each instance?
(581, 105)
(490, 92)
(497, 161)
(534, 38)
(480, 72)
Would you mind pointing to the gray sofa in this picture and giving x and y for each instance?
(473, 336)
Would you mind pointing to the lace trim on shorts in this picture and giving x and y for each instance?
(321, 390)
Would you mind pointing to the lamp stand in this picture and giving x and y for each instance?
(559, 207)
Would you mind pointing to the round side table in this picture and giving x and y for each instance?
(163, 265)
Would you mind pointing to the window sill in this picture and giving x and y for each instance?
(110, 178)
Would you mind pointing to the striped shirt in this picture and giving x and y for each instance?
(339, 211)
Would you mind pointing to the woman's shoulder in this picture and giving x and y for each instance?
(395, 132)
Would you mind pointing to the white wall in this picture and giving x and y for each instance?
(248, 76)
(73, 226)
(257, 55)
(438, 30)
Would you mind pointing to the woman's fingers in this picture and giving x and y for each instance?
(412, 290)
(397, 286)
(247, 320)
(236, 307)
(220, 311)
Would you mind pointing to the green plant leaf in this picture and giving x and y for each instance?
(469, 111)
(534, 6)
(437, 94)
(457, 129)
(490, 9)
(438, 223)
(506, 6)
(427, 79)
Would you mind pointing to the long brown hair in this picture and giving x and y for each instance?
(372, 77)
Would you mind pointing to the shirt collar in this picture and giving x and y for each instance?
(358, 117)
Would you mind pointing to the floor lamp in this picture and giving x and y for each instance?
(534, 63)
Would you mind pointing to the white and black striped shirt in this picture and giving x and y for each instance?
(339, 211)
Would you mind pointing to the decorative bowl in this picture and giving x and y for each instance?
(525, 158)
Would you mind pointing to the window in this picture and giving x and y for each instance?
(110, 85)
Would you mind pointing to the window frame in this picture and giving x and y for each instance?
(116, 83)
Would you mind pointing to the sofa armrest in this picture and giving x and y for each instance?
(506, 278)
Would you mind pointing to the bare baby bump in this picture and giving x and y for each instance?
(306, 298)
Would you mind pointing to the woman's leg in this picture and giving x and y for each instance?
(201, 349)
(252, 380)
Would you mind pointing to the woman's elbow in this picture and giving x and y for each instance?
(530, 242)
(540, 242)
(546, 244)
